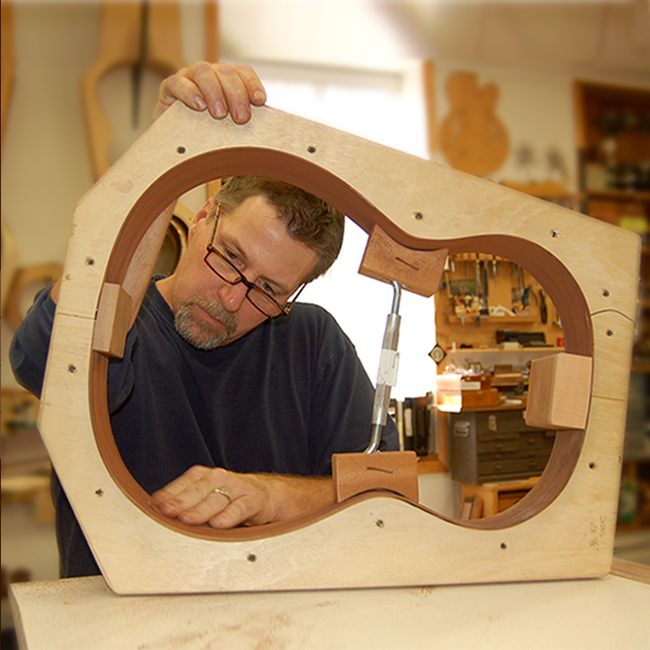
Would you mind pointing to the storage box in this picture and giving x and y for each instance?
(474, 398)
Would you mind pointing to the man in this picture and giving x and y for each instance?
(225, 406)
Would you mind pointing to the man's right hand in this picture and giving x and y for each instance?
(219, 88)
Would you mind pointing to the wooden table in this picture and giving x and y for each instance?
(612, 612)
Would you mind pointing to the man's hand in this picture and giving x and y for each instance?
(203, 495)
(220, 88)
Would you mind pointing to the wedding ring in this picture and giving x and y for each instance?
(224, 492)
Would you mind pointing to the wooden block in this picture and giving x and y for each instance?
(388, 470)
(559, 391)
(474, 398)
(416, 270)
(113, 323)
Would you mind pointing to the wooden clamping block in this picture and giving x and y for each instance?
(112, 320)
(559, 391)
(388, 470)
(419, 271)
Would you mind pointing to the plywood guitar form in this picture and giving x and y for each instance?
(564, 528)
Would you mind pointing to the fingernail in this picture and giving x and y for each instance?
(199, 102)
(220, 109)
(242, 113)
(259, 97)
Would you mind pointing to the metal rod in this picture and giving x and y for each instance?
(387, 375)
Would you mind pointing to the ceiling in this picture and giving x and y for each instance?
(583, 38)
(609, 37)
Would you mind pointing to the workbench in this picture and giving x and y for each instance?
(609, 612)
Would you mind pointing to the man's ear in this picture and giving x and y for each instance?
(199, 217)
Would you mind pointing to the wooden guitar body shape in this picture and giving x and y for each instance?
(564, 528)
(472, 137)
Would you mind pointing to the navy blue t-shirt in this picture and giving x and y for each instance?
(283, 399)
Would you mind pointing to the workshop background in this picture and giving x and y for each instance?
(562, 90)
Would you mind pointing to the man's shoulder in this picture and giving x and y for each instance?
(310, 322)
(306, 314)
(311, 310)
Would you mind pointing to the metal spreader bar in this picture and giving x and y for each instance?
(387, 375)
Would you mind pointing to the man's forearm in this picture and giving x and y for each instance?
(298, 495)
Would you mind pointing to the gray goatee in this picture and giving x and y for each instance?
(199, 333)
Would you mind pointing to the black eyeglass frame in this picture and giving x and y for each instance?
(283, 309)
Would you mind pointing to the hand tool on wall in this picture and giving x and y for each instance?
(543, 309)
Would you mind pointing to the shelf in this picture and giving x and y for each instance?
(431, 464)
(548, 190)
(618, 195)
(502, 351)
(454, 320)
(521, 406)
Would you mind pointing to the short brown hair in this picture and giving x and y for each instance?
(307, 218)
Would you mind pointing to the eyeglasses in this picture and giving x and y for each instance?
(225, 269)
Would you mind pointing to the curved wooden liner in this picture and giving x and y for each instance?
(559, 283)
(562, 529)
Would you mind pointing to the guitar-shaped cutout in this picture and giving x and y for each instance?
(472, 137)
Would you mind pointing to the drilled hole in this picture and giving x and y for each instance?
(252, 557)
(180, 149)
(311, 149)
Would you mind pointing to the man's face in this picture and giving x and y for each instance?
(210, 312)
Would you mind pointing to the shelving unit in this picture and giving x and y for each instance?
(471, 345)
(480, 331)
(613, 143)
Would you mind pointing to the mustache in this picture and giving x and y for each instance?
(216, 310)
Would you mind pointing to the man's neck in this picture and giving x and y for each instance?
(166, 286)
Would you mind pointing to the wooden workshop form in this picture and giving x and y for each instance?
(564, 528)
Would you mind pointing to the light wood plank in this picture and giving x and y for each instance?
(83, 613)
